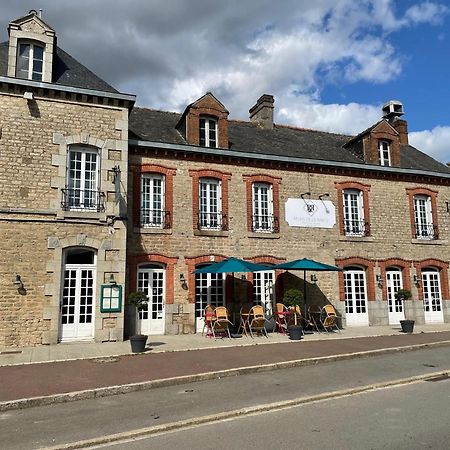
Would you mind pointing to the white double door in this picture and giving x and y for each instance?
(355, 298)
(151, 319)
(209, 290)
(432, 301)
(77, 303)
(396, 308)
(263, 290)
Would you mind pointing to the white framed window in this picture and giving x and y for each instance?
(210, 204)
(82, 184)
(384, 153)
(30, 61)
(423, 217)
(152, 212)
(208, 132)
(262, 209)
(264, 290)
(353, 203)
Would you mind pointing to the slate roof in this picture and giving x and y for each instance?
(67, 71)
(159, 126)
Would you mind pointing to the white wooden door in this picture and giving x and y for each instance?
(77, 303)
(152, 317)
(263, 290)
(432, 303)
(355, 298)
(394, 283)
(209, 290)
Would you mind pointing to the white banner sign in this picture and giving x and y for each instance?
(310, 213)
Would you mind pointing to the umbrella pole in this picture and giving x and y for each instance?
(304, 287)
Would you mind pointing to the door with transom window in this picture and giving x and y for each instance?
(209, 290)
(432, 299)
(356, 313)
(394, 283)
(263, 290)
(77, 304)
(151, 281)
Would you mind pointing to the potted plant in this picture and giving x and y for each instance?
(138, 341)
(293, 298)
(407, 325)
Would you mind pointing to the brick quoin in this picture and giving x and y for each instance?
(365, 188)
(168, 262)
(433, 196)
(399, 263)
(206, 173)
(261, 178)
(442, 268)
(366, 264)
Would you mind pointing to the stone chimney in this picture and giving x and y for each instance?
(262, 112)
(392, 111)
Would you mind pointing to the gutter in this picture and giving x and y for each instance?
(73, 90)
(288, 159)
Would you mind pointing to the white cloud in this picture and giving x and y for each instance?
(435, 142)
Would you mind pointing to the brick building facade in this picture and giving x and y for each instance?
(93, 187)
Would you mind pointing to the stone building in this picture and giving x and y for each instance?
(99, 195)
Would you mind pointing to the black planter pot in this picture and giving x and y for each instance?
(295, 332)
(407, 326)
(138, 343)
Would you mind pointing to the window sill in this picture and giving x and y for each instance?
(90, 215)
(145, 230)
(429, 241)
(356, 239)
(211, 233)
(259, 235)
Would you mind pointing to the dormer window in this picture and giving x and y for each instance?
(384, 153)
(30, 61)
(208, 132)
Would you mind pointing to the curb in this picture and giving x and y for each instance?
(243, 412)
(173, 381)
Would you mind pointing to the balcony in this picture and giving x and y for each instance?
(265, 224)
(155, 218)
(426, 231)
(356, 228)
(82, 200)
(212, 221)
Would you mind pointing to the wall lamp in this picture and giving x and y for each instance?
(183, 282)
(112, 280)
(18, 282)
(305, 193)
(314, 278)
(323, 195)
(416, 280)
(379, 281)
(116, 172)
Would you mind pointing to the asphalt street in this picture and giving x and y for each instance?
(87, 419)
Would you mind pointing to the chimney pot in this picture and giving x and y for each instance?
(262, 112)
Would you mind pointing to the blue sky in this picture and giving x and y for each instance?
(330, 64)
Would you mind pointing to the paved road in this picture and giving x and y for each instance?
(409, 417)
(61, 423)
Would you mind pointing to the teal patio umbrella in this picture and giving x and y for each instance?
(231, 265)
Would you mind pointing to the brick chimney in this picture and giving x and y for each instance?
(393, 110)
(262, 112)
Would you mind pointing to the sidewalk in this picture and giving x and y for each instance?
(124, 373)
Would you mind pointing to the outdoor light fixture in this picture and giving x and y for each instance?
(18, 282)
(116, 172)
(379, 281)
(416, 280)
(323, 195)
(305, 193)
(112, 280)
(183, 282)
(314, 278)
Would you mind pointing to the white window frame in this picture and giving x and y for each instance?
(423, 217)
(210, 204)
(208, 136)
(76, 187)
(153, 195)
(262, 208)
(384, 153)
(353, 212)
(31, 61)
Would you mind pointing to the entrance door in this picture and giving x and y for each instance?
(151, 280)
(432, 303)
(394, 283)
(77, 299)
(355, 297)
(209, 290)
(263, 291)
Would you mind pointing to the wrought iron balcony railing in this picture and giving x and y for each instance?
(426, 231)
(265, 224)
(155, 218)
(356, 227)
(212, 221)
(82, 200)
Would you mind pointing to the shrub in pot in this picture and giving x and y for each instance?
(294, 298)
(139, 300)
(407, 325)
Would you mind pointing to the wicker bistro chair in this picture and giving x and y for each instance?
(257, 321)
(209, 318)
(221, 323)
(280, 313)
(329, 318)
